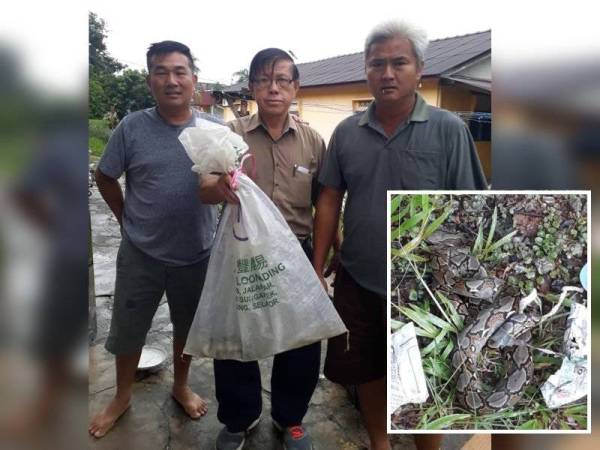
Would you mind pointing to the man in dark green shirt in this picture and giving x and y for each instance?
(400, 142)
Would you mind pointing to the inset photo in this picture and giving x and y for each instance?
(489, 315)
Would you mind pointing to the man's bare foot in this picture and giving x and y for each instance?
(103, 421)
(194, 405)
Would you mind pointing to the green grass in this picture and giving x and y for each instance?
(417, 217)
(98, 136)
(96, 146)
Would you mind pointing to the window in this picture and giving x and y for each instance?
(360, 105)
(294, 108)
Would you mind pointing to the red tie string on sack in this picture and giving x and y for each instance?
(235, 174)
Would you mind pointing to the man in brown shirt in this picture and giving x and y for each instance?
(288, 156)
(286, 167)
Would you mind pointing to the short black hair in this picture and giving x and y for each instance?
(267, 58)
(166, 47)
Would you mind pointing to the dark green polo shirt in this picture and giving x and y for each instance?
(432, 150)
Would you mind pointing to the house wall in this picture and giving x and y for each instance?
(430, 91)
(456, 98)
(326, 106)
(484, 150)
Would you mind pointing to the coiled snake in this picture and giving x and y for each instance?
(494, 320)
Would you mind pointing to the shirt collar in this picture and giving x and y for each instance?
(159, 117)
(419, 113)
(255, 122)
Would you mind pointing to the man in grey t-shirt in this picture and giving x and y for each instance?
(398, 143)
(167, 232)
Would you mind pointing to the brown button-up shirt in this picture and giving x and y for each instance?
(286, 169)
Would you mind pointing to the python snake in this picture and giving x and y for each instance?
(494, 320)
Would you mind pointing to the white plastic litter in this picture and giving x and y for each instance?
(261, 295)
(407, 379)
(575, 341)
(570, 382)
(566, 385)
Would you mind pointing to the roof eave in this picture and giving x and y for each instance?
(465, 64)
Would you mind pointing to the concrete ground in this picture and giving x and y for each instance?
(155, 420)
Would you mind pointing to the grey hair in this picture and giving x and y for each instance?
(399, 29)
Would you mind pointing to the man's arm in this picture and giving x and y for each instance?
(217, 189)
(337, 240)
(464, 168)
(335, 258)
(327, 217)
(111, 192)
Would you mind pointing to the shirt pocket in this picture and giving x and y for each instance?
(421, 169)
(301, 184)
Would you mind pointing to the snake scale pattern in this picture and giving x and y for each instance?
(493, 320)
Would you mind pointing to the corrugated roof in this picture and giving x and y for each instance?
(442, 56)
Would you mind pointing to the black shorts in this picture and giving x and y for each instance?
(359, 356)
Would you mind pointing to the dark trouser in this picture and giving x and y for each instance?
(293, 380)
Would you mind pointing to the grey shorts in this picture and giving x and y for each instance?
(140, 284)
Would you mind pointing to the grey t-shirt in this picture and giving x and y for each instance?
(433, 150)
(163, 215)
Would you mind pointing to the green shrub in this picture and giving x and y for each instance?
(98, 136)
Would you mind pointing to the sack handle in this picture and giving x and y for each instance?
(234, 183)
(240, 223)
(240, 170)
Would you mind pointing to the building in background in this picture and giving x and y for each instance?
(457, 76)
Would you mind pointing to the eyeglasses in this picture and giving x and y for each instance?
(264, 82)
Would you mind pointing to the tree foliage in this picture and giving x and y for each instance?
(240, 76)
(99, 59)
(111, 83)
(131, 92)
